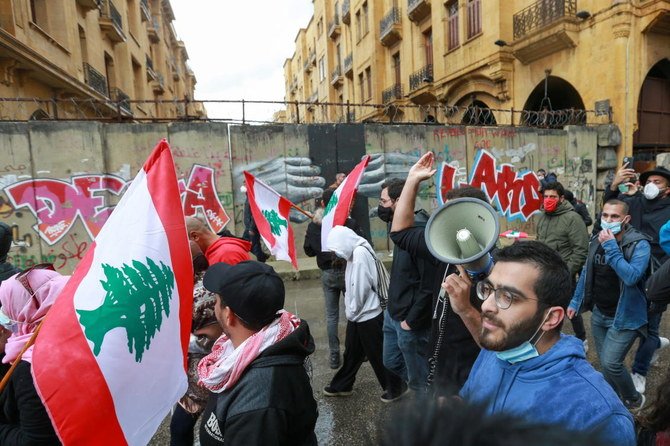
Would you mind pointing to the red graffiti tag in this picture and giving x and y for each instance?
(199, 193)
(516, 195)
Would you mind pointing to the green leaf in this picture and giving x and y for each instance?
(275, 220)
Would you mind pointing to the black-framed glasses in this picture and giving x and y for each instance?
(504, 298)
(22, 278)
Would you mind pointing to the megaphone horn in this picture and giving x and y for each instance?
(462, 232)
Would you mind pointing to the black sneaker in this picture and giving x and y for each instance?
(329, 391)
(637, 405)
(334, 361)
(387, 397)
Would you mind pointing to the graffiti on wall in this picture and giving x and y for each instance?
(514, 193)
(58, 204)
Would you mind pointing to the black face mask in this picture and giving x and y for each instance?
(200, 263)
(385, 214)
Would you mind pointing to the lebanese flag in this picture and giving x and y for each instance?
(110, 360)
(271, 211)
(337, 209)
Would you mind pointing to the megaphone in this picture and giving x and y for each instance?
(462, 232)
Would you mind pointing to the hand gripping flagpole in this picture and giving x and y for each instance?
(301, 210)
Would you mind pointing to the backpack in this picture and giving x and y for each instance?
(383, 279)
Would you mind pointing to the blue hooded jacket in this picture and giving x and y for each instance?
(558, 387)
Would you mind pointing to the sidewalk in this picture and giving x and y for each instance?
(307, 268)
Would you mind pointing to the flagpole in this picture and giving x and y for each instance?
(30, 342)
(299, 209)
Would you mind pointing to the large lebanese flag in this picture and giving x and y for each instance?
(110, 360)
(271, 215)
(337, 209)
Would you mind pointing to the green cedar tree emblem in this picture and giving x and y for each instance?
(137, 297)
(275, 220)
(331, 204)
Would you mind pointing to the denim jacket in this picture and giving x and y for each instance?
(631, 312)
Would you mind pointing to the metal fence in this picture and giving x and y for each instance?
(120, 108)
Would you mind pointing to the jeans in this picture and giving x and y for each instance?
(612, 345)
(333, 285)
(181, 427)
(406, 353)
(648, 344)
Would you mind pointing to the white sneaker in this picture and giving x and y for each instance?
(586, 345)
(664, 343)
(639, 381)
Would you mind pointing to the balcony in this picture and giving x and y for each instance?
(346, 15)
(543, 28)
(334, 27)
(311, 61)
(349, 65)
(419, 85)
(152, 30)
(122, 99)
(390, 28)
(88, 5)
(158, 85)
(336, 77)
(540, 14)
(95, 79)
(392, 93)
(145, 11)
(174, 69)
(110, 22)
(417, 10)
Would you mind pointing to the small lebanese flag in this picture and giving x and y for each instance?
(110, 360)
(271, 215)
(337, 209)
(513, 234)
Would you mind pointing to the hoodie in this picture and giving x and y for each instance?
(361, 302)
(558, 387)
(231, 250)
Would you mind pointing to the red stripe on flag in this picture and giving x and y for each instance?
(285, 211)
(261, 222)
(348, 192)
(66, 396)
(164, 192)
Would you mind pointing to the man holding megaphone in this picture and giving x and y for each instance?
(456, 319)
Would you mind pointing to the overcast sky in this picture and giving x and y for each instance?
(237, 49)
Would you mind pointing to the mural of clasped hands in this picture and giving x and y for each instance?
(292, 177)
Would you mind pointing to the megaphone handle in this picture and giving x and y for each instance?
(442, 294)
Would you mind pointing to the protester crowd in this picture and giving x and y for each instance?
(464, 356)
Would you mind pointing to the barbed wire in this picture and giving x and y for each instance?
(298, 112)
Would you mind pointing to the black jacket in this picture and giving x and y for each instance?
(658, 285)
(453, 350)
(23, 419)
(7, 270)
(271, 404)
(412, 280)
(312, 246)
(647, 216)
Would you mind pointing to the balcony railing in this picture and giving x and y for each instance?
(150, 63)
(334, 27)
(392, 93)
(336, 76)
(421, 77)
(158, 85)
(540, 14)
(122, 99)
(95, 79)
(152, 30)
(346, 16)
(111, 21)
(349, 65)
(145, 10)
(389, 27)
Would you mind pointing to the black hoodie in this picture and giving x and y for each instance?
(271, 404)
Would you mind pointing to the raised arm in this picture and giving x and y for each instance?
(403, 216)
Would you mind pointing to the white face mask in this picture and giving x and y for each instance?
(651, 191)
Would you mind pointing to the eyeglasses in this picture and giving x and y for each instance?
(22, 278)
(503, 297)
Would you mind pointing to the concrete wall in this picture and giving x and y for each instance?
(59, 181)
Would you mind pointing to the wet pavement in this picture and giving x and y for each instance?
(353, 420)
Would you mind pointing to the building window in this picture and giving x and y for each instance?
(396, 68)
(428, 46)
(474, 18)
(365, 18)
(38, 13)
(359, 30)
(368, 75)
(452, 24)
(319, 27)
(361, 86)
(322, 69)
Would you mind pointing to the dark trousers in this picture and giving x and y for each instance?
(578, 326)
(181, 427)
(365, 339)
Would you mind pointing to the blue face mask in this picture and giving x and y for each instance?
(524, 351)
(614, 226)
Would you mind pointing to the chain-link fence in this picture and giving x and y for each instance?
(273, 112)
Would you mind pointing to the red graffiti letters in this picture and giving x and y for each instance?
(515, 194)
(200, 194)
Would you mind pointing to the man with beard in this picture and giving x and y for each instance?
(407, 318)
(526, 366)
(256, 371)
